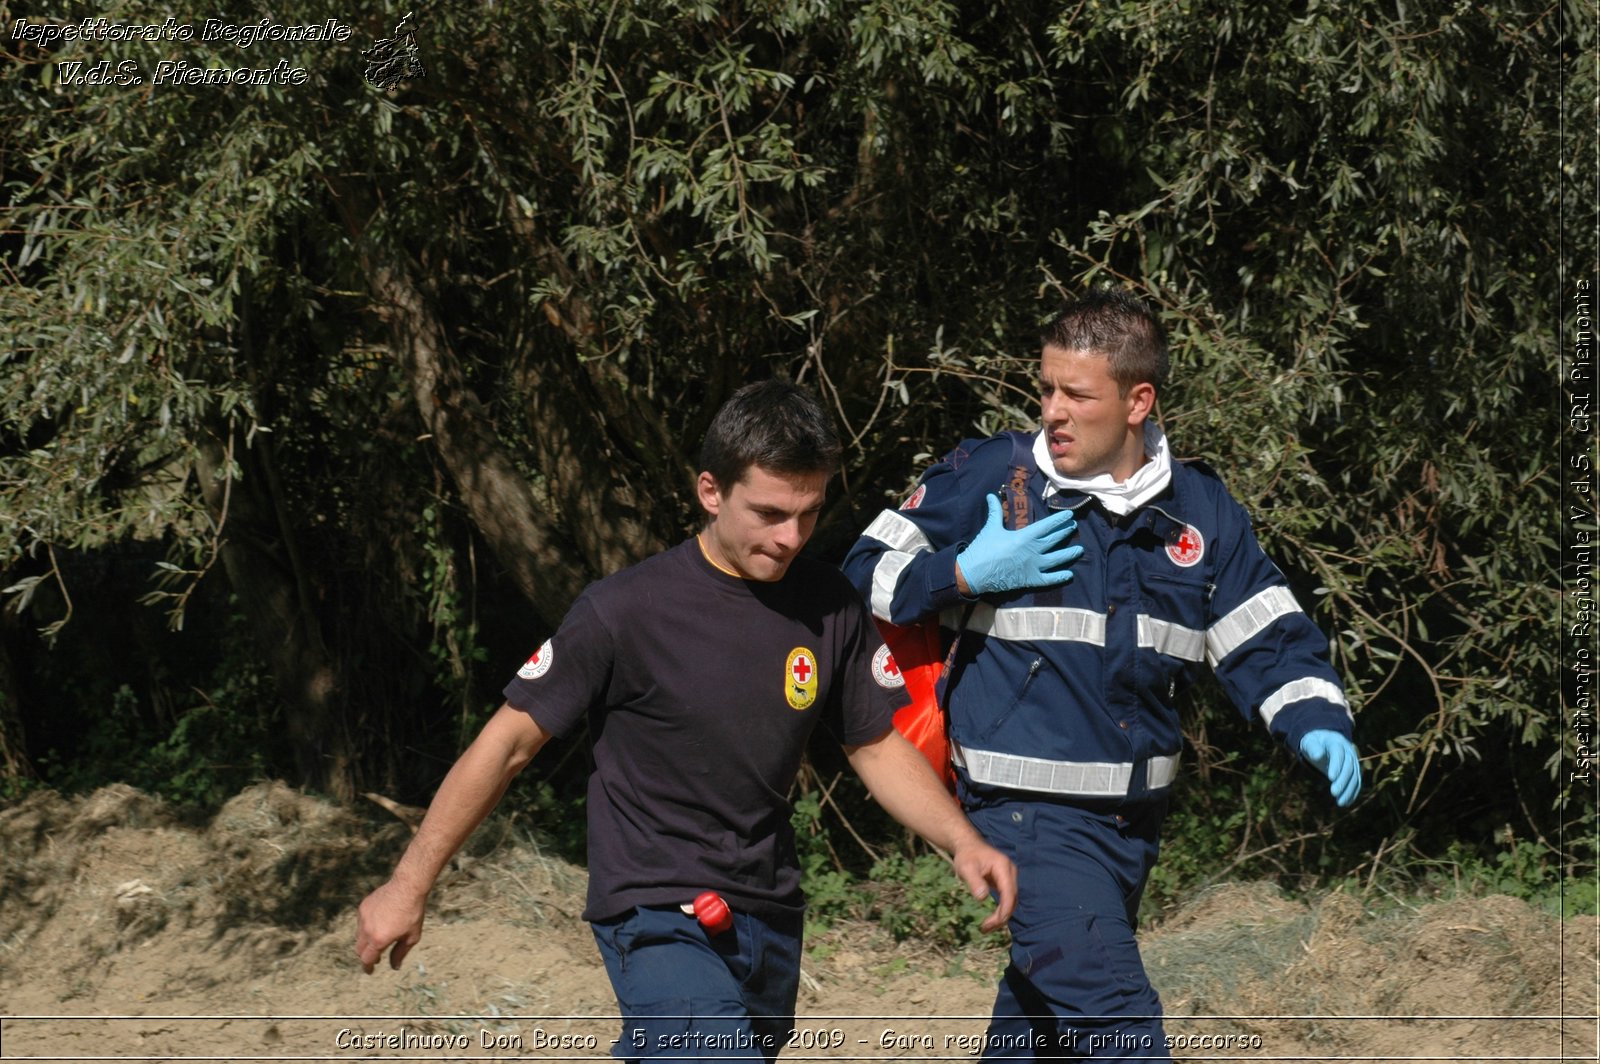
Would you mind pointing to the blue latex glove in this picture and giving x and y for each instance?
(1006, 559)
(1335, 757)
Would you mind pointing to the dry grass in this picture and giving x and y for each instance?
(112, 881)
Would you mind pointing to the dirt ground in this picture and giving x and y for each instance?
(127, 934)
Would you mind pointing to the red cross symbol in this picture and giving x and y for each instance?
(890, 666)
(802, 669)
(1187, 548)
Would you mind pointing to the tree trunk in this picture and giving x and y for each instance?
(14, 762)
(255, 543)
(498, 496)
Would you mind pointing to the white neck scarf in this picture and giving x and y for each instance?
(1146, 483)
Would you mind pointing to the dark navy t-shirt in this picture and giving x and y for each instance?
(701, 690)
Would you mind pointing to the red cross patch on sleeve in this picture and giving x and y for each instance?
(539, 664)
(884, 669)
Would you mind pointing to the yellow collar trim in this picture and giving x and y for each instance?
(701, 542)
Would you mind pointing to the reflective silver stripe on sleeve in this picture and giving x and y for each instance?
(885, 578)
(1087, 779)
(1247, 619)
(903, 538)
(898, 532)
(1164, 637)
(1161, 771)
(1039, 623)
(1300, 690)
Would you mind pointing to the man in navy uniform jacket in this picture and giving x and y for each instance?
(1061, 693)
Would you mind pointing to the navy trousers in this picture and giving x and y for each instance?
(689, 995)
(1075, 986)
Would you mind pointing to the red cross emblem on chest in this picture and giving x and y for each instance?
(1188, 548)
(801, 690)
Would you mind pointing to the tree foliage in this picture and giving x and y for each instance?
(368, 384)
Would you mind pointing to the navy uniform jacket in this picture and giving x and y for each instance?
(1070, 690)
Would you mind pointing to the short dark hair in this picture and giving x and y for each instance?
(774, 424)
(1118, 325)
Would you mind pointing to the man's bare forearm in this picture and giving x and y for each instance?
(905, 785)
(471, 790)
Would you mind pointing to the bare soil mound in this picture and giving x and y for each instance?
(126, 933)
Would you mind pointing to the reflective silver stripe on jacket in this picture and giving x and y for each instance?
(1083, 779)
(1047, 623)
(904, 539)
(1039, 623)
(898, 532)
(1247, 619)
(885, 578)
(1164, 637)
(1300, 690)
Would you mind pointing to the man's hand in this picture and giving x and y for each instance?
(389, 916)
(1335, 757)
(985, 870)
(1006, 559)
(392, 914)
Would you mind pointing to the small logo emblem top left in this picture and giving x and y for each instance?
(391, 60)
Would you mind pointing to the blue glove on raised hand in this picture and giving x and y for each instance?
(1335, 757)
(1006, 559)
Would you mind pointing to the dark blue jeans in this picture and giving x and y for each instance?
(687, 995)
(1075, 986)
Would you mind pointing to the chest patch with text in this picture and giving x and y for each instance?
(800, 687)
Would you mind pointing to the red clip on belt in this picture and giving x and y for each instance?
(712, 912)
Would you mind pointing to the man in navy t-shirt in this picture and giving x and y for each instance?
(702, 672)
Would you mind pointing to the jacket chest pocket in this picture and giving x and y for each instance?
(1021, 694)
